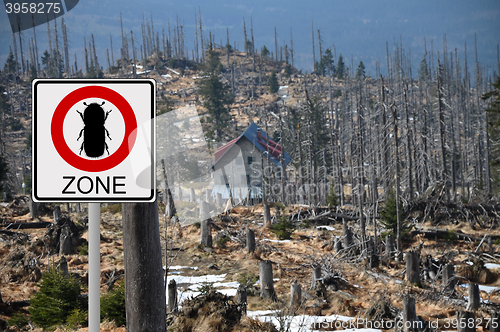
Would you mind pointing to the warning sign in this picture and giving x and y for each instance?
(94, 140)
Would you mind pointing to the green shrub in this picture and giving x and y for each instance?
(18, 320)
(113, 305)
(221, 242)
(283, 229)
(78, 318)
(58, 297)
(247, 279)
(83, 249)
(206, 288)
(389, 216)
(450, 235)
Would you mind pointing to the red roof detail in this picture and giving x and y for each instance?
(220, 151)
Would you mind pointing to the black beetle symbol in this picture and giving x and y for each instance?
(94, 132)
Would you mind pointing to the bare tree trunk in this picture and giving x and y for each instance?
(145, 301)
(206, 233)
(449, 280)
(295, 294)
(412, 268)
(474, 299)
(266, 280)
(172, 296)
(250, 240)
(410, 321)
(241, 298)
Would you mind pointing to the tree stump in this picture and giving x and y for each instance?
(449, 278)
(241, 298)
(57, 215)
(204, 210)
(373, 260)
(267, 215)
(266, 280)
(206, 233)
(218, 200)
(145, 301)
(466, 321)
(316, 276)
(412, 268)
(172, 296)
(192, 195)
(62, 266)
(410, 322)
(295, 294)
(65, 240)
(474, 300)
(33, 207)
(347, 237)
(389, 246)
(250, 240)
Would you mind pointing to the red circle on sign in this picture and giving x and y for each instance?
(72, 158)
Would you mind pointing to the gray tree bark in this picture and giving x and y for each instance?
(474, 300)
(241, 297)
(266, 280)
(412, 268)
(57, 215)
(267, 215)
(449, 280)
(295, 294)
(172, 296)
(389, 246)
(145, 301)
(33, 208)
(410, 322)
(316, 275)
(250, 240)
(206, 233)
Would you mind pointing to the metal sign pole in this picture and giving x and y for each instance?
(94, 267)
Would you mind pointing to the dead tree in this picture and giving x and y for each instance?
(412, 268)
(267, 215)
(62, 266)
(295, 294)
(474, 299)
(266, 280)
(241, 297)
(172, 296)
(250, 240)
(33, 207)
(410, 321)
(206, 233)
(316, 276)
(449, 280)
(57, 215)
(389, 246)
(145, 302)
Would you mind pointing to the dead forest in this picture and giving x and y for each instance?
(400, 164)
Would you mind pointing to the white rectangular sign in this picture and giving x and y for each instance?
(94, 140)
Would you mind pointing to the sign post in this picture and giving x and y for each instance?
(94, 141)
(94, 267)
